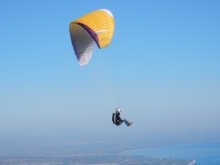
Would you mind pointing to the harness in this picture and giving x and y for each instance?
(115, 121)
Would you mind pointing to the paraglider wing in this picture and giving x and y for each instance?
(95, 27)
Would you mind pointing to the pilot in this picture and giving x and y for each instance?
(118, 118)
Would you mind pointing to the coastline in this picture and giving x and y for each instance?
(184, 152)
(192, 162)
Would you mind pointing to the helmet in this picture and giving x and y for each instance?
(118, 110)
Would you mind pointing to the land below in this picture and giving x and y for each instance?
(87, 149)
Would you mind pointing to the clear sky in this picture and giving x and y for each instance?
(168, 74)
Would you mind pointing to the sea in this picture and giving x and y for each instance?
(203, 153)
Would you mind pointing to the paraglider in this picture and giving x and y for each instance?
(95, 28)
(116, 118)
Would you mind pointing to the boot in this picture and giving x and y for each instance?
(130, 123)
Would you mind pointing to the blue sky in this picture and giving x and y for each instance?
(167, 53)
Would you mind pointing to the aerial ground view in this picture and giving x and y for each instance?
(109, 82)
